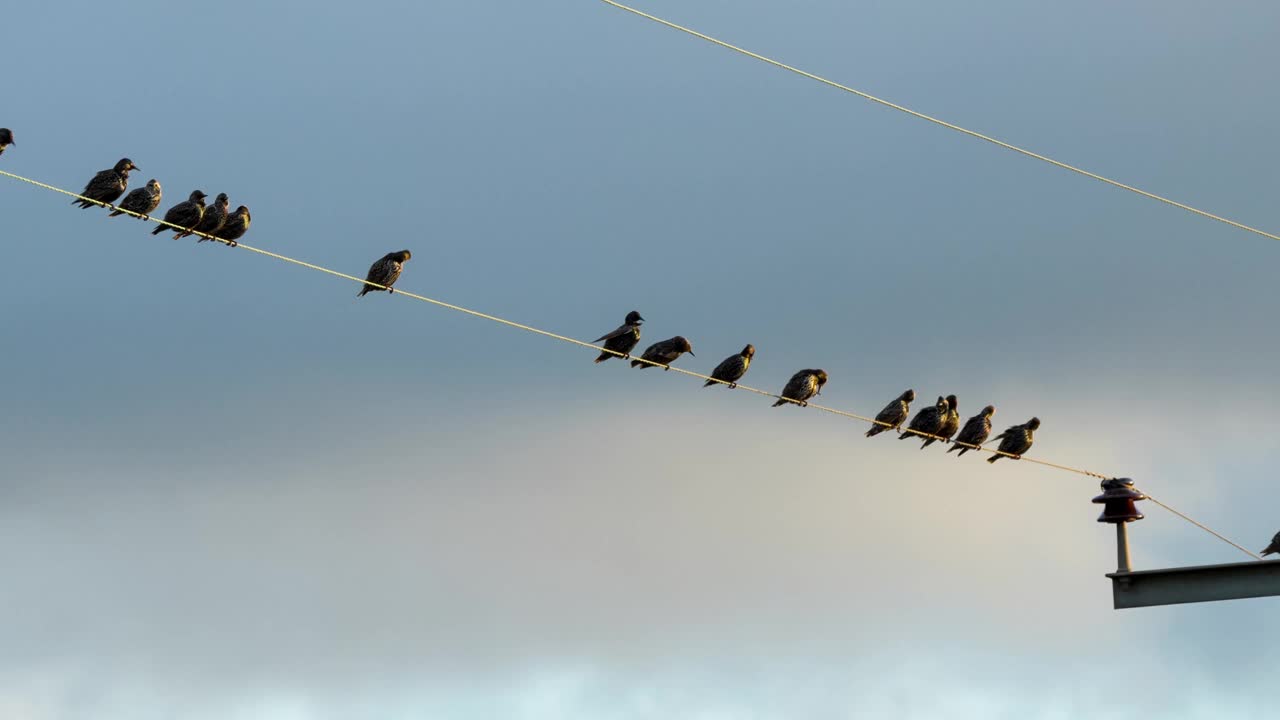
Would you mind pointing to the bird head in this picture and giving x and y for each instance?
(952, 402)
(153, 186)
(6, 137)
(820, 376)
(1033, 423)
(223, 201)
(403, 256)
(908, 396)
(633, 318)
(988, 411)
(748, 351)
(125, 165)
(197, 196)
(683, 345)
(242, 210)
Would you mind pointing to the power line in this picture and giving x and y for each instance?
(597, 348)
(945, 124)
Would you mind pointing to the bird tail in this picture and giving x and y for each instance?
(780, 402)
(364, 290)
(709, 383)
(603, 356)
(1271, 550)
(994, 458)
(636, 363)
(876, 430)
(84, 204)
(159, 229)
(927, 443)
(904, 435)
(115, 213)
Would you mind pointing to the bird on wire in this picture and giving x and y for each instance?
(664, 352)
(802, 386)
(732, 368)
(928, 421)
(1017, 440)
(215, 216)
(385, 272)
(623, 339)
(975, 431)
(236, 226)
(185, 215)
(6, 139)
(142, 201)
(950, 422)
(1274, 547)
(107, 185)
(893, 414)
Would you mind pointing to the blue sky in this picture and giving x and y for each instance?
(232, 490)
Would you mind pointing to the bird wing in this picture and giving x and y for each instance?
(106, 181)
(622, 330)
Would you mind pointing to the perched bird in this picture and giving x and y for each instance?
(802, 386)
(185, 215)
(215, 216)
(928, 421)
(1274, 547)
(1017, 439)
(664, 352)
(107, 186)
(385, 272)
(623, 339)
(6, 139)
(236, 226)
(893, 414)
(950, 422)
(733, 368)
(975, 431)
(143, 201)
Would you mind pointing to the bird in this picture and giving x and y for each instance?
(664, 352)
(142, 201)
(106, 186)
(6, 139)
(928, 421)
(1274, 547)
(385, 272)
(893, 414)
(975, 431)
(185, 215)
(623, 339)
(732, 369)
(802, 386)
(236, 226)
(215, 216)
(1017, 439)
(950, 422)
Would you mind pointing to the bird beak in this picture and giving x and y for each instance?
(691, 353)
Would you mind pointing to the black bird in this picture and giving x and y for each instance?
(893, 414)
(143, 201)
(1274, 547)
(733, 368)
(950, 422)
(107, 186)
(664, 352)
(1017, 439)
(236, 226)
(928, 420)
(802, 386)
(6, 139)
(975, 431)
(185, 215)
(385, 272)
(623, 339)
(215, 216)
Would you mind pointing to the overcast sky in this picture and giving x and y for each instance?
(229, 489)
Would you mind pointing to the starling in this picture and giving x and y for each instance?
(733, 368)
(975, 431)
(143, 201)
(6, 139)
(1274, 547)
(950, 422)
(802, 386)
(215, 216)
(186, 215)
(665, 352)
(893, 414)
(108, 185)
(1017, 439)
(928, 421)
(385, 272)
(236, 226)
(622, 340)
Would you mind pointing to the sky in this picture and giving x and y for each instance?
(229, 489)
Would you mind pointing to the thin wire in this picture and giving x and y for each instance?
(596, 348)
(1205, 528)
(945, 124)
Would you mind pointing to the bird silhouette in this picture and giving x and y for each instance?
(107, 185)
(385, 272)
(893, 414)
(1017, 440)
(1274, 547)
(732, 368)
(623, 339)
(975, 431)
(143, 201)
(236, 226)
(664, 352)
(928, 421)
(185, 215)
(950, 422)
(6, 139)
(802, 386)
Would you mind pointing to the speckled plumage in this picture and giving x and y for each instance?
(950, 422)
(623, 339)
(1274, 547)
(732, 368)
(802, 386)
(185, 214)
(143, 201)
(664, 352)
(108, 185)
(893, 414)
(385, 272)
(1017, 439)
(6, 139)
(928, 420)
(215, 216)
(236, 226)
(975, 432)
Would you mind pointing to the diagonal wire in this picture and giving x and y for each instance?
(596, 348)
(945, 124)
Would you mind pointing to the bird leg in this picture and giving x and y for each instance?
(733, 386)
(391, 291)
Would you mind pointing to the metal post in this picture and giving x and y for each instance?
(1122, 548)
